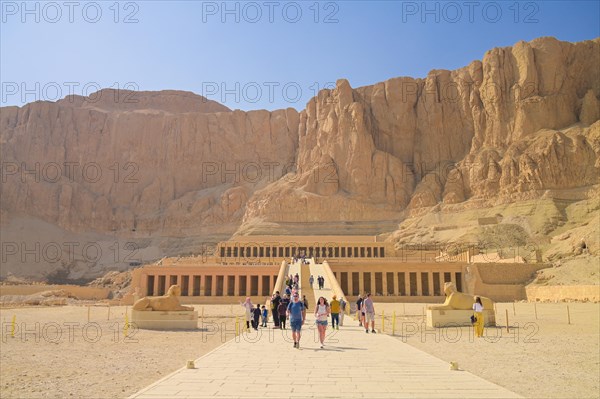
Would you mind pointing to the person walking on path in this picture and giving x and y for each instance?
(297, 315)
(478, 308)
(248, 306)
(342, 311)
(265, 316)
(274, 305)
(369, 310)
(256, 316)
(282, 309)
(335, 313)
(359, 303)
(311, 280)
(322, 311)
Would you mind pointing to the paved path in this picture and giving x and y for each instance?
(353, 364)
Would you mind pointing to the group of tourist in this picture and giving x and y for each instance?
(292, 281)
(302, 259)
(322, 311)
(294, 311)
(254, 314)
(320, 281)
(366, 312)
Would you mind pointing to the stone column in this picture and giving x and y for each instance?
(430, 278)
(384, 283)
(361, 283)
(202, 284)
(225, 285)
(238, 285)
(155, 292)
(191, 285)
(350, 284)
(396, 284)
(407, 283)
(419, 284)
(213, 285)
(260, 284)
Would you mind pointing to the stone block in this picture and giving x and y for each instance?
(448, 318)
(165, 320)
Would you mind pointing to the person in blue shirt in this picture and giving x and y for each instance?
(296, 314)
(265, 316)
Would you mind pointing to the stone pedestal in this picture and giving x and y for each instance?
(447, 318)
(165, 320)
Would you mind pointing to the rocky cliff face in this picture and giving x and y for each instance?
(172, 167)
(504, 128)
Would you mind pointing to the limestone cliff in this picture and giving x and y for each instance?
(505, 128)
(171, 170)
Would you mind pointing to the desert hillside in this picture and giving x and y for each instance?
(503, 153)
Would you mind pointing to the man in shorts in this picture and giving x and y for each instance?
(369, 309)
(296, 314)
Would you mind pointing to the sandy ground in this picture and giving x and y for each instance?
(537, 358)
(67, 357)
(543, 358)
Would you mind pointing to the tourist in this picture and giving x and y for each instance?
(248, 306)
(305, 301)
(274, 305)
(288, 291)
(322, 311)
(311, 280)
(265, 316)
(359, 302)
(478, 308)
(342, 310)
(282, 309)
(369, 312)
(256, 318)
(297, 315)
(335, 313)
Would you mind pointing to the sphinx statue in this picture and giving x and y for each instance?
(458, 301)
(162, 303)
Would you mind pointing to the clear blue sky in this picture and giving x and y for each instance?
(271, 57)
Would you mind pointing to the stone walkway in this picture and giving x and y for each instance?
(353, 364)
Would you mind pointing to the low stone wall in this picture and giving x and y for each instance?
(80, 292)
(501, 282)
(557, 293)
(508, 273)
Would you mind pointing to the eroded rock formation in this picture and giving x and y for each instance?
(175, 169)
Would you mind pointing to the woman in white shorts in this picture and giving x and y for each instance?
(322, 312)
